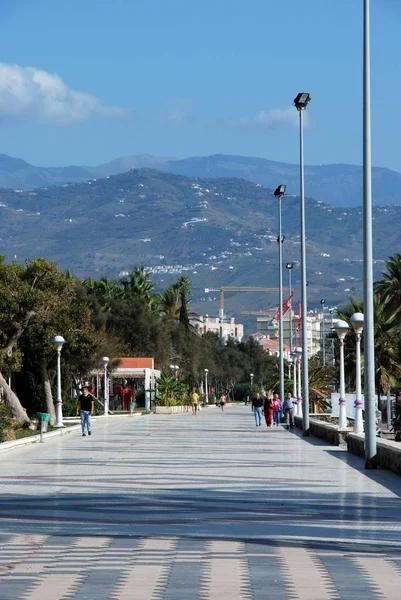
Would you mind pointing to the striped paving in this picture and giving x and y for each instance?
(203, 508)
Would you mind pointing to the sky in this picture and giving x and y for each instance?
(86, 81)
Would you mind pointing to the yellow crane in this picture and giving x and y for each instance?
(239, 288)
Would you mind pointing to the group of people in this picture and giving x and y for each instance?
(273, 408)
(194, 398)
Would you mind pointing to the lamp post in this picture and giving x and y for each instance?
(59, 342)
(206, 387)
(251, 376)
(105, 361)
(323, 302)
(341, 328)
(369, 340)
(279, 193)
(294, 381)
(175, 369)
(301, 102)
(298, 352)
(289, 266)
(357, 321)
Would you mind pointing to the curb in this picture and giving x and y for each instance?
(34, 439)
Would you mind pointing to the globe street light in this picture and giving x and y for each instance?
(294, 385)
(323, 302)
(299, 352)
(206, 387)
(279, 193)
(289, 266)
(357, 321)
(59, 342)
(251, 376)
(105, 361)
(341, 328)
(301, 102)
(175, 369)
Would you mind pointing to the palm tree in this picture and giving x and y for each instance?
(138, 284)
(320, 379)
(105, 290)
(389, 288)
(184, 288)
(170, 302)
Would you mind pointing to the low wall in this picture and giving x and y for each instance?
(169, 410)
(325, 431)
(388, 452)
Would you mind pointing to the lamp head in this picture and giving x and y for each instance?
(298, 351)
(280, 191)
(302, 100)
(357, 321)
(105, 360)
(206, 371)
(58, 342)
(341, 328)
(289, 265)
(323, 301)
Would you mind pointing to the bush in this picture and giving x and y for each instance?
(6, 423)
(396, 422)
(70, 407)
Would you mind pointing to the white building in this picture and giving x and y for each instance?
(226, 328)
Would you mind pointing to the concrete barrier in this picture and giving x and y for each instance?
(169, 410)
(325, 431)
(388, 452)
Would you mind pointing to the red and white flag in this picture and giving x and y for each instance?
(286, 307)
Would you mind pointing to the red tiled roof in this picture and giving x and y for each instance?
(136, 363)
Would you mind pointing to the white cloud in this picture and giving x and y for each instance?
(277, 117)
(29, 95)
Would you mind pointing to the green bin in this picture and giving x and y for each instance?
(132, 407)
(43, 421)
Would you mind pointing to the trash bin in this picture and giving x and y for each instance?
(132, 406)
(43, 421)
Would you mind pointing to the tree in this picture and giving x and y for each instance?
(388, 289)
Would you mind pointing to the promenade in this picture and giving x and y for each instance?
(196, 508)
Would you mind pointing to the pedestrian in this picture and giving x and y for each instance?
(194, 401)
(223, 401)
(268, 410)
(257, 404)
(277, 406)
(85, 407)
(288, 406)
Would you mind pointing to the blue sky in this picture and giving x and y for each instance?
(180, 78)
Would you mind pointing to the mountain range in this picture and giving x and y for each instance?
(218, 232)
(338, 184)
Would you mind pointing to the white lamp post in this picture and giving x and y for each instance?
(357, 323)
(289, 266)
(105, 361)
(59, 342)
(206, 387)
(175, 369)
(294, 387)
(341, 328)
(298, 353)
(251, 375)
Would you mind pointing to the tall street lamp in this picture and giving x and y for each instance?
(251, 376)
(206, 387)
(59, 342)
(105, 361)
(323, 302)
(289, 266)
(301, 102)
(357, 321)
(298, 352)
(294, 380)
(369, 340)
(341, 328)
(279, 193)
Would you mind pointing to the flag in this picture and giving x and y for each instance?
(286, 307)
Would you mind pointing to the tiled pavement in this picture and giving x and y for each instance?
(196, 508)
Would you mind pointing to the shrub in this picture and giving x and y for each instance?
(6, 423)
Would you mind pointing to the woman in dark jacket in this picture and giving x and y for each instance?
(268, 410)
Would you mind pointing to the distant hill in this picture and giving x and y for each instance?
(216, 231)
(338, 185)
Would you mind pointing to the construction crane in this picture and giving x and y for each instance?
(238, 288)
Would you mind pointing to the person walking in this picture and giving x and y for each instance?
(257, 404)
(288, 406)
(223, 401)
(268, 410)
(86, 407)
(194, 401)
(277, 406)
